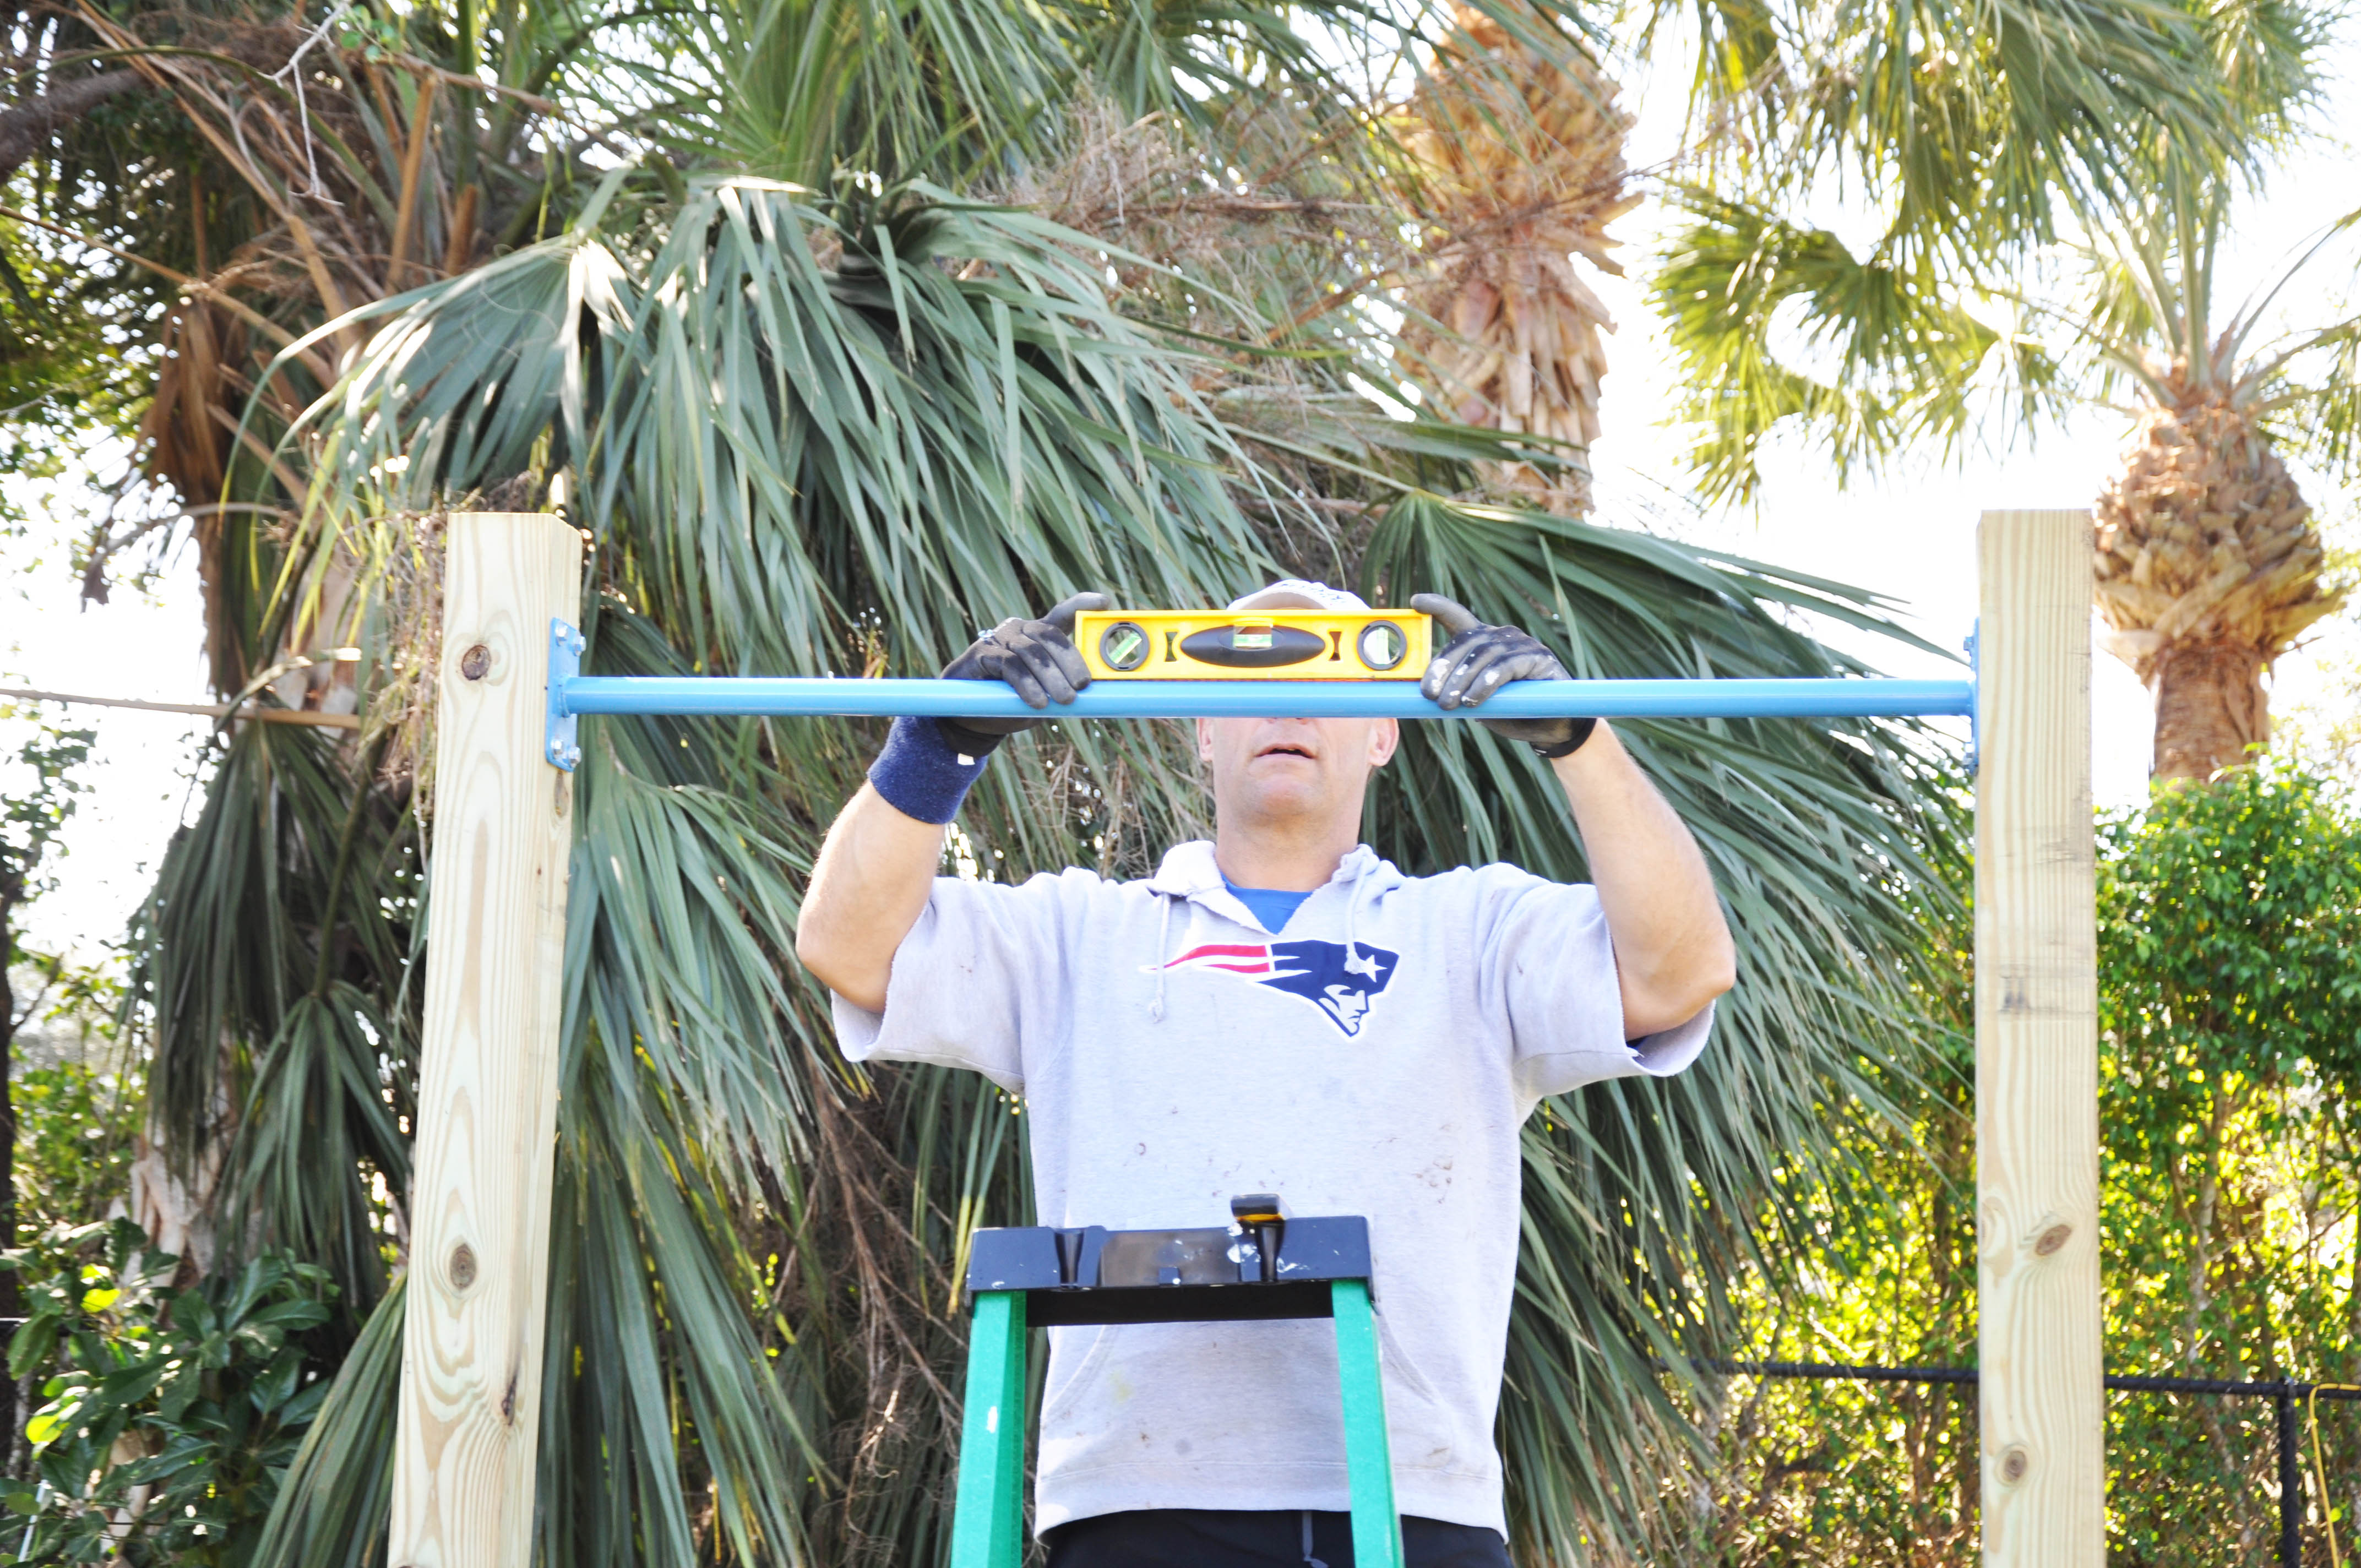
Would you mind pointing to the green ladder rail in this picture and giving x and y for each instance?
(1263, 1268)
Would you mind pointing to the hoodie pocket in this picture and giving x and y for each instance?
(1089, 1360)
(1394, 1363)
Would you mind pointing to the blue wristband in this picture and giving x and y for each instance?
(923, 773)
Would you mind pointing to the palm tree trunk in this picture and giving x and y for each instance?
(2210, 706)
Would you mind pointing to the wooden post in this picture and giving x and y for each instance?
(464, 1458)
(2037, 1050)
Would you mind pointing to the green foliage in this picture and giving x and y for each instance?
(173, 1410)
(1875, 1262)
(2227, 919)
(75, 1127)
(271, 947)
(1973, 127)
(2231, 1211)
(2231, 1011)
(43, 790)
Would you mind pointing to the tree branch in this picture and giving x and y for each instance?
(24, 128)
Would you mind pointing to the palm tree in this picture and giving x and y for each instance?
(1519, 154)
(232, 179)
(1962, 119)
(833, 426)
(2208, 564)
(245, 177)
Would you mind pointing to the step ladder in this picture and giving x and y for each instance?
(1264, 1266)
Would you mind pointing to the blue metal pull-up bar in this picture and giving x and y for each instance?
(571, 694)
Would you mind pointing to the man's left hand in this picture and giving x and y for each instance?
(1480, 659)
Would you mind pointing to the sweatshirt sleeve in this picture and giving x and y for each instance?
(1547, 951)
(968, 980)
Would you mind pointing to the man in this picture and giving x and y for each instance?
(1276, 1011)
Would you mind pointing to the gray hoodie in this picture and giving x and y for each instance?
(1376, 1057)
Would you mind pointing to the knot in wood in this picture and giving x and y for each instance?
(476, 663)
(2014, 1463)
(2052, 1240)
(463, 1266)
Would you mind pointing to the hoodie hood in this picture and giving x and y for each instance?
(1189, 871)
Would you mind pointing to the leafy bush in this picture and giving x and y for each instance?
(2230, 1022)
(2230, 1054)
(75, 1127)
(173, 1411)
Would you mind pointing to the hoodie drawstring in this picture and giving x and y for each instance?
(1352, 913)
(1163, 936)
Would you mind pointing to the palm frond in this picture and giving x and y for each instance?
(2132, 126)
(332, 1507)
(272, 961)
(1780, 325)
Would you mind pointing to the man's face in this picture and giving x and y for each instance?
(1288, 772)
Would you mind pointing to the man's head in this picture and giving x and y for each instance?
(1294, 777)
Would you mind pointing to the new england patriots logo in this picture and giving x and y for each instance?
(1342, 984)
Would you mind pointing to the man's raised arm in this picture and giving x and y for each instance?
(1673, 949)
(876, 868)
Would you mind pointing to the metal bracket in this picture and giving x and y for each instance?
(564, 663)
(1975, 694)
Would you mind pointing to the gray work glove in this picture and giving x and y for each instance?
(1037, 658)
(1479, 660)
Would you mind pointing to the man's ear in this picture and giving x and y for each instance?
(1205, 741)
(1385, 739)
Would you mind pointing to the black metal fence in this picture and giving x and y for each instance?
(2285, 1395)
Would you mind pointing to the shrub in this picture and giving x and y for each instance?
(173, 1411)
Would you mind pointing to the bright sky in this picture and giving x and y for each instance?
(1910, 537)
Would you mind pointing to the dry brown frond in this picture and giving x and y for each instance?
(1521, 163)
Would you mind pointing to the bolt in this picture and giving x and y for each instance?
(476, 663)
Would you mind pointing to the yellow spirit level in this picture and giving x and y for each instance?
(1266, 645)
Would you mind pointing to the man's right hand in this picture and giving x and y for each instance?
(1037, 658)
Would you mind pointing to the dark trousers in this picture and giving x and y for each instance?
(1206, 1537)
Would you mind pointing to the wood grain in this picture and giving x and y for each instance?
(2037, 1050)
(464, 1460)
